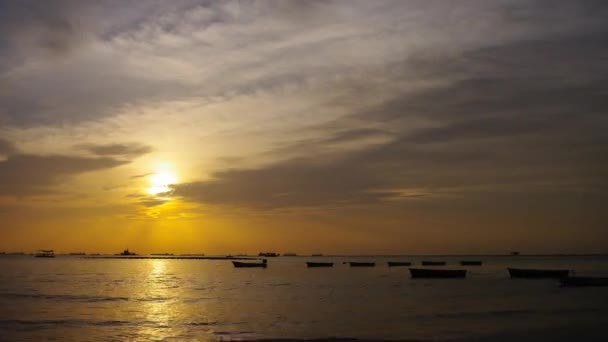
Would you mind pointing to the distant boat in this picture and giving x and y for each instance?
(162, 254)
(45, 253)
(362, 264)
(471, 263)
(537, 273)
(433, 263)
(319, 264)
(514, 253)
(317, 255)
(239, 264)
(584, 281)
(398, 263)
(126, 253)
(268, 254)
(77, 253)
(437, 273)
(290, 254)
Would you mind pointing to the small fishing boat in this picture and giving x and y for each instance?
(471, 263)
(433, 263)
(126, 253)
(398, 263)
(239, 264)
(319, 264)
(268, 254)
(362, 264)
(45, 253)
(584, 281)
(437, 273)
(530, 273)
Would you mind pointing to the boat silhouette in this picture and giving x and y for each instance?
(471, 263)
(362, 264)
(45, 253)
(398, 263)
(319, 264)
(531, 273)
(239, 264)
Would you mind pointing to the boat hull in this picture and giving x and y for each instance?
(537, 273)
(238, 264)
(437, 274)
(320, 264)
(584, 281)
(398, 263)
(471, 263)
(362, 264)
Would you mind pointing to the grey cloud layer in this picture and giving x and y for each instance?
(24, 174)
(524, 117)
(480, 96)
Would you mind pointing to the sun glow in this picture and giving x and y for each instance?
(160, 182)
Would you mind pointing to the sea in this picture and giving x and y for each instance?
(71, 298)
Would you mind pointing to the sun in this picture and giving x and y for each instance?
(160, 182)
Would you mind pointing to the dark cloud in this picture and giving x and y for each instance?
(6, 147)
(125, 149)
(521, 118)
(28, 174)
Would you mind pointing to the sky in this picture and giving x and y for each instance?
(336, 127)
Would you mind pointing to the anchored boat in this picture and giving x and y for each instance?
(239, 264)
(45, 253)
(398, 263)
(530, 273)
(471, 263)
(362, 264)
(319, 264)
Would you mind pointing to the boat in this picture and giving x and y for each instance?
(437, 273)
(317, 255)
(268, 254)
(514, 253)
(584, 281)
(471, 263)
(398, 263)
(433, 263)
(362, 264)
(239, 264)
(45, 253)
(537, 273)
(319, 264)
(126, 253)
(161, 254)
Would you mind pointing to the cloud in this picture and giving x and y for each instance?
(125, 149)
(28, 174)
(6, 147)
(521, 118)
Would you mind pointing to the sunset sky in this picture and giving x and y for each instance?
(366, 127)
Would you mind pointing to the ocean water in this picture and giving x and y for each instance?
(75, 299)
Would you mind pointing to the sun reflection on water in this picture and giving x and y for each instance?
(158, 299)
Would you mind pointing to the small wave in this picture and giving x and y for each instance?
(281, 284)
